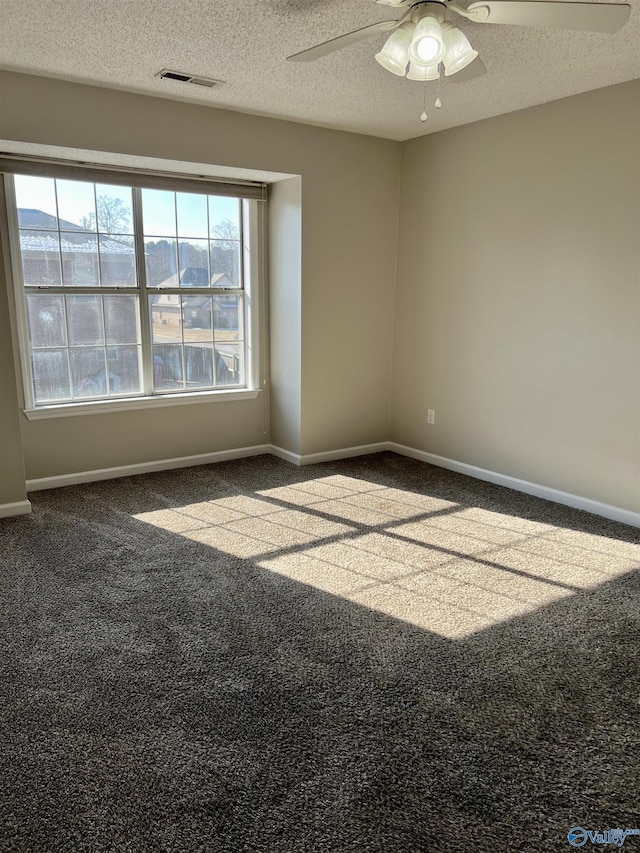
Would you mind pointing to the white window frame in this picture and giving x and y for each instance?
(253, 214)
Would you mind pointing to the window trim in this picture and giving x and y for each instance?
(125, 404)
(252, 259)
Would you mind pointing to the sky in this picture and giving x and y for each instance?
(165, 213)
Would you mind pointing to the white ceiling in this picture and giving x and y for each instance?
(124, 43)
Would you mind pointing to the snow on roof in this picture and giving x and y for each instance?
(48, 242)
(79, 244)
(217, 280)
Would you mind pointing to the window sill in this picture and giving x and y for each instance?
(99, 407)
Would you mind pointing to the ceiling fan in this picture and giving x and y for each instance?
(422, 37)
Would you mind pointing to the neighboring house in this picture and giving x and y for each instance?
(196, 312)
(190, 277)
(72, 258)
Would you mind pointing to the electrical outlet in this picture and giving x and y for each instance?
(431, 416)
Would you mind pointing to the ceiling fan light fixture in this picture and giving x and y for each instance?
(394, 56)
(423, 72)
(427, 45)
(459, 52)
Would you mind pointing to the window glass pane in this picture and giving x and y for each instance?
(194, 263)
(76, 205)
(183, 342)
(36, 202)
(229, 364)
(79, 259)
(87, 344)
(110, 372)
(124, 370)
(198, 366)
(192, 215)
(47, 326)
(84, 319)
(88, 372)
(40, 251)
(115, 209)
(50, 375)
(167, 367)
(117, 261)
(161, 262)
(228, 317)
(159, 213)
(224, 218)
(166, 318)
(121, 319)
(196, 318)
(225, 263)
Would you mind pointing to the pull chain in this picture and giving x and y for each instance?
(424, 115)
(438, 102)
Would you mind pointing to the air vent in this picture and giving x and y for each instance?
(181, 77)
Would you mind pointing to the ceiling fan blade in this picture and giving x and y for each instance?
(339, 42)
(474, 69)
(595, 17)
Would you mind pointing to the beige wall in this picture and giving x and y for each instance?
(345, 289)
(518, 301)
(285, 315)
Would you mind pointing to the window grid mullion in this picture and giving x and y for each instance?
(107, 380)
(214, 373)
(64, 298)
(180, 304)
(60, 264)
(68, 336)
(88, 290)
(209, 270)
(146, 355)
(241, 236)
(182, 353)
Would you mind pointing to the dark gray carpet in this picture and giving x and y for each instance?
(367, 655)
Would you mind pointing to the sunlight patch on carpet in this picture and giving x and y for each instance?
(446, 568)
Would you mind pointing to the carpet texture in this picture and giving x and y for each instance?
(365, 656)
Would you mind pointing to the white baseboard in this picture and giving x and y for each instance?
(328, 455)
(344, 453)
(17, 508)
(547, 493)
(145, 467)
(287, 455)
(614, 513)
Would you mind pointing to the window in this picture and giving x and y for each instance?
(131, 291)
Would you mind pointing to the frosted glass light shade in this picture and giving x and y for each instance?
(459, 52)
(423, 72)
(427, 45)
(394, 56)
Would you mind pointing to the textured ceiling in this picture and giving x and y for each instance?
(124, 43)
